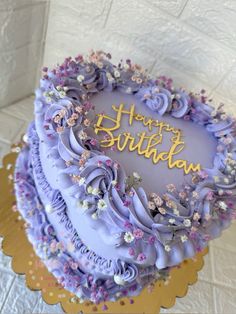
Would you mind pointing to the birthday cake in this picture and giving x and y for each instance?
(121, 176)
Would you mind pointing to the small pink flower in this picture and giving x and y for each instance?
(87, 122)
(79, 109)
(116, 165)
(207, 237)
(82, 162)
(88, 106)
(131, 251)
(113, 148)
(99, 163)
(141, 257)
(171, 187)
(151, 240)
(187, 117)
(75, 116)
(71, 122)
(93, 141)
(203, 174)
(127, 203)
(138, 233)
(182, 195)
(127, 225)
(117, 187)
(210, 195)
(108, 163)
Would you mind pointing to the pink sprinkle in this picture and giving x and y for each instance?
(117, 187)
(141, 257)
(151, 240)
(93, 141)
(104, 307)
(131, 251)
(116, 165)
(108, 163)
(230, 204)
(127, 225)
(126, 203)
(187, 118)
(99, 163)
(207, 237)
(138, 233)
(113, 148)
(210, 195)
(233, 214)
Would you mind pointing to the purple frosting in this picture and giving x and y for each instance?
(67, 187)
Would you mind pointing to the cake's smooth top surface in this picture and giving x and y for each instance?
(112, 220)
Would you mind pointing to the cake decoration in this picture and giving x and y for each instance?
(93, 224)
(147, 143)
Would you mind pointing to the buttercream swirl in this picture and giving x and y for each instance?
(156, 98)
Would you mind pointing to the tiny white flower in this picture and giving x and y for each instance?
(48, 99)
(196, 216)
(223, 116)
(226, 180)
(62, 94)
(119, 280)
(116, 73)
(128, 237)
(114, 182)
(80, 78)
(171, 220)
(89, 189)
(158, 201)
(223, 205)
(70, 247)
(176, 211)
(81, 181)
(221, 192)
(184, 238)
(84, 204)
(126, 66)
(216, 179)
(25, 138)
(95, 191)
(187, 222)
(49, 208)
(94, 216)
(136, 175)
(101, 204)
(109, 77)
(167, 248)
(151, 205)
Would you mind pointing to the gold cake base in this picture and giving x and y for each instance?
(24, 261)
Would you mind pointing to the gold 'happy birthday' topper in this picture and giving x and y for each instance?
(146, 143)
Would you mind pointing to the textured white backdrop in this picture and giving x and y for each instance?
(192, 41)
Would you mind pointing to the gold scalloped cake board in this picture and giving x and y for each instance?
(24, 261)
